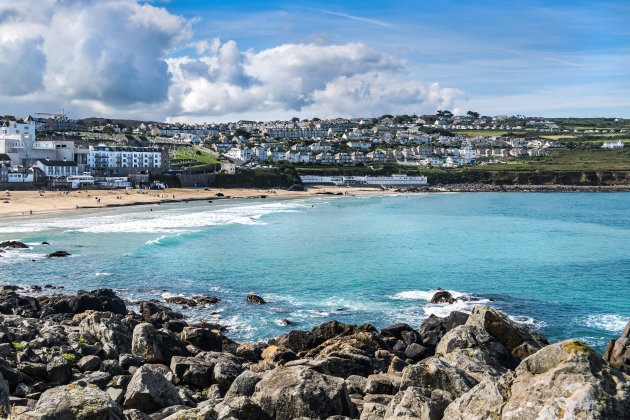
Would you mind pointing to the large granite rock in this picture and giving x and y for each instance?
(75, 401)
(149, 390)
(418, 403)
(563, 380)
(156, 346)
(618, 351)
(303, 341)
(14, 304)
(298, 391)
(518, 339)
(433, 328)
(436, 374)
(192, 370)
(107, 328)
(203, 337)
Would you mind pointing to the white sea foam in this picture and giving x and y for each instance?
(425, 294)
(173, 220)
(608, 322)
(464, 303)
(103, 274)
(155, 241)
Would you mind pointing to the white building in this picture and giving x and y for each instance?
(57, 168)
(242, 153)
(619, 144)
(393, 180)
(108, 157)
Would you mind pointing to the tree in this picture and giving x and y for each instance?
(473, 115)
(295, 119)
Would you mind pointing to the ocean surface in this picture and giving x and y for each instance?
(557, 262)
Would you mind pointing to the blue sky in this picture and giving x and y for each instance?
(553, 58)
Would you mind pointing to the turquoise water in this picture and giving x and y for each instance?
(557, 262)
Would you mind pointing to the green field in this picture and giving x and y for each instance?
(189, 157)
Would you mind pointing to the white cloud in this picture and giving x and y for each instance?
(112, 52)
(309, 79)
(119, 58)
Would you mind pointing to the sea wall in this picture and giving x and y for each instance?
(88, 356)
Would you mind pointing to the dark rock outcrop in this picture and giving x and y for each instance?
(58, 254)
(618, 351)
(443, 296)
(255, 299)
(13, 245)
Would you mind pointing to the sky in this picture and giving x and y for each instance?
(214, 61)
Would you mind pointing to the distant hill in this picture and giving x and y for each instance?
(121, 123)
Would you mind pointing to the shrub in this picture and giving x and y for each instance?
(70, 357)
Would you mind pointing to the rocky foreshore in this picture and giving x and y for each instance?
(516, 188)
(88, 357)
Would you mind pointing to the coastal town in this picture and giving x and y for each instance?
(61, 153)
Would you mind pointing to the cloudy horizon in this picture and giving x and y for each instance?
(194, 61)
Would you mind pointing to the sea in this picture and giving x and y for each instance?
(556, 262)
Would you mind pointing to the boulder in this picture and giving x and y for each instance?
(203, 411)
(563, 380)
(418, 403)
(58, 254)
(362, 343)
(396, 330)
(59, 370)
(107, 328)
(202, 337)
(179, 300)
(24, 306)
(89, 363)
(79, 401)
(436, 374)
(518, 339)
(298, 391)
(104, 300)
(206, 300)
(373, 411)
(158, 314)
(255, 299)
(192, 370)
(302, 341)
(618, 351)
(156, 346)
(241, 408)
(224, 373)
(249, 352)
(443, 296)
(382, 384)
(149, 391)
(433, 328)
(244, 385)
(13, 244)
(475, 352)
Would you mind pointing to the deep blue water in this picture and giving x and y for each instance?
(557, 262)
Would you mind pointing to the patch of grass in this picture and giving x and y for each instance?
(70, 357)
(190, 155)
(19, 347)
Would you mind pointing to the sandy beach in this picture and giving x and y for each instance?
(26, 203)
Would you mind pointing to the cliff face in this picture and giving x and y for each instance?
(88, 357)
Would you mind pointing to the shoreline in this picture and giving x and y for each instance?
(27, 203)
(89, 353)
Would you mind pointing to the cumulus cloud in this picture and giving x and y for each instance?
(112, 52)
(332, 80)
(124, 58)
